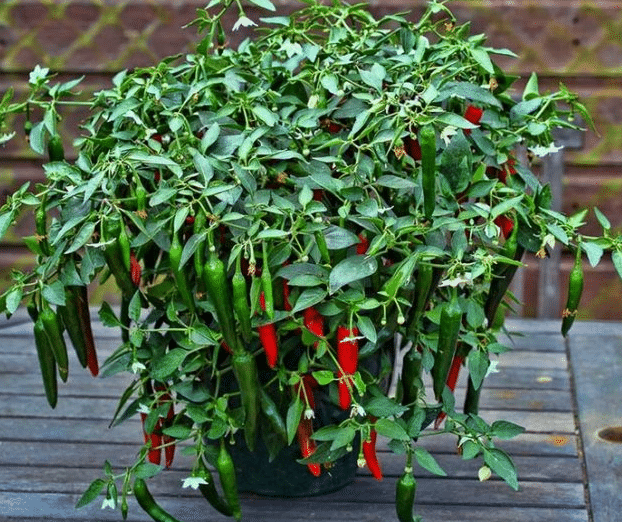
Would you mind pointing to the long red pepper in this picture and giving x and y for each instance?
(369, 452)
(135, 269)
(505, 224)
(305, 426)
(347, 357)
(268, 338)
(314, 322)
(167, 440)
(155, 453)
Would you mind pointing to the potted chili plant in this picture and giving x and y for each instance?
(300, 229)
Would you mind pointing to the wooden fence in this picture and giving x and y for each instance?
(576, 42)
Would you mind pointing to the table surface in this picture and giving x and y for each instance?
(563, 391)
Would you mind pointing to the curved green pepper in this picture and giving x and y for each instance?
(210, 493)
(115, 258)
(56, 151)
(451, 320)
(148, 503)
(427, 140)
(47, 363)
(405, 490)
(245, 370)
(57, 342)
(179, 274)
(575, 289)
(240, 301)
(228, 480)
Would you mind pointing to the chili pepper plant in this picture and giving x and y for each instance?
(333, 210)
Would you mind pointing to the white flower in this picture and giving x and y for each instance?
(193, 482)
(109, 503)
(309, 413)
(243, 21)
(138, 367)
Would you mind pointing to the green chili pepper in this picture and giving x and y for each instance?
(240, 301)
(209, 491)
(405, 490)
(47, 363)
(266, 283)
(27, 128)
(411, 375)
(575, 289)
(451, 320)
(41, 227)
(148, 503)
(200, 220)
(503, 275)
(271, 412)
(124, 245)
(110, 231)
(471, 400)
(427, 140)
(32, 309)
(141, 196)
(245, 370)
(179, 273)
(215, 280)
(55, 148)
(57, 342)
(320, 241)
(228, 480)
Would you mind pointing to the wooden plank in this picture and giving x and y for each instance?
(597, 368)
(57, 507)
(86, 458)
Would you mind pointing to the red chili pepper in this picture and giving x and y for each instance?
(167, 440)
(268, 338)
(369, 452)
(412, 148)
(505, 224)
(362, 245)
(156, 176)
(307, 444)
(155, 453)
(347, 357)
(135, 269)
(473, 115)
(318, 194)
(314, 322)
(287, 305)
(452, 379)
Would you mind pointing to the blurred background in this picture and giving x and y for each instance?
(577, 42)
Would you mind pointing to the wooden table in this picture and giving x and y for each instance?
(563, 392)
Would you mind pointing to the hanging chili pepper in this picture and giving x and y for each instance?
(268, 337)
(314, 322)
(47, 363)
(347, 357)
(209, 490)
(451, 320)
(240, 301)
(245, 370)
(427, 138)
(135, 270)
(369, 452)
(575, 289)
(322, 247)
(41, 227)
(56, 151)
(168, 442)
(363, 244)
(52, 327)
(287, 304)
(412, 147)
(266, 284)
(179, 274)
(147, 502)
(411, 375)
(506, 225)
(199, 226)
(110, 231)
(77, 320)
(307, 444)
(405, 490)
(154, 455)
(473, 115)
(228, 480)
(217, 287)
(471, 400)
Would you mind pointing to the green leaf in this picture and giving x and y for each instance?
(135, 307)
(505, 206)
(616, 257)
(351, 269)
(456, 162)
(344, 437)
(338, 238)
(83, 235)
(478, 363)
(210, 137)
(482, 58)
(531, 88)
(602, 219)
(374, 76)
(92, 492)
(167, 365)
(265, 115)
(54, 293)
(6, 220)
(391, 429)
(294, 413)
(502, 465)
(382, 406)
(505, 429)
(594, 252)
(13, 300)
(394, 182)
(427, 461)
(330, 83)
(107, 316)
(309, 297)
(179, 431)
(367, 328)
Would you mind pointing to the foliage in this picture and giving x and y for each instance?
(301, 149)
